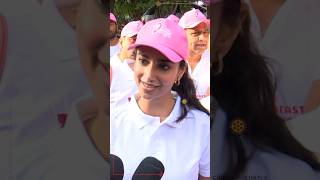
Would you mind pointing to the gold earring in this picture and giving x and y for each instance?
(177, 82)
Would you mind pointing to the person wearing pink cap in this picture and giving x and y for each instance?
(164, 119)
(113, 38)
(196, 26)
(122, 82)
(173, 18)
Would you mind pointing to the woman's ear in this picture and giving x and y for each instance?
(182, 70)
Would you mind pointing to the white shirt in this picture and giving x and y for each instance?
(183, 148)
(65, 154)
(271, 165)
(305, 129)
(291, 44)
(122, 85)
(206, 102)
(42, 78)
(201, 75)
(114, 49)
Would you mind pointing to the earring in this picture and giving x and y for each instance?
(177, 82)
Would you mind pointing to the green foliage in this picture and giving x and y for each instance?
(129, 10)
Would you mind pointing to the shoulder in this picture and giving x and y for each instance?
(276, 165)
(198, 115)
(199, 121)
(119, 113)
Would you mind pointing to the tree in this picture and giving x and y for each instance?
(130, 10)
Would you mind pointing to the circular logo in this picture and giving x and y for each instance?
(238, 126)
(196, 13)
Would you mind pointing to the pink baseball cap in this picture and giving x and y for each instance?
(173, 18)
(165, 36)
(113, 18)
(192, 18)
(131, 29)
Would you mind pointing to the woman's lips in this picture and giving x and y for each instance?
(149, 86)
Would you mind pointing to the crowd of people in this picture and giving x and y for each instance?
(244, 107)
(159, 76)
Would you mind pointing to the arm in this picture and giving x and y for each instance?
(313, 99)
(98, 130)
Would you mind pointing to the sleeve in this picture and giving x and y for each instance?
(204, 169)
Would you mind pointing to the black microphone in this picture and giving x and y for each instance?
(116, 168)
(150, 168)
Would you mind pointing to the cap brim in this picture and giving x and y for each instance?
(206, 21)
(169, 53)
(130, 34)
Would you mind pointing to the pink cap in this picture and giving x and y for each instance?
(113, 18)
(173, 18)
(165, 36)
(131, 29)
(192, 18)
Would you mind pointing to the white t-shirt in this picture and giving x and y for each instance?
(122, 85)
(206, 102)
(305, 129)
(183, 148)
(271, 165)
(114, 49)
(291, 44)
(42, 78)
(65, 154)
(201, 75)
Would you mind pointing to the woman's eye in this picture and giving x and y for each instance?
(164, 67)
(143, 61)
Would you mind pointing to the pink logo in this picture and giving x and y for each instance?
(196, 13)
(62, 118)
(162, 29)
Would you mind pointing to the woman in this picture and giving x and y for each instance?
(249, 138)
(164, 119)
(82, 149)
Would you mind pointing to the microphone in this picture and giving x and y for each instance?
(150, 168)
(117, 169)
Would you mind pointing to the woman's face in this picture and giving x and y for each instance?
(154, 73)
(92, 36)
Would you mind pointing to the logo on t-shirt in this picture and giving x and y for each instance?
(62, 118)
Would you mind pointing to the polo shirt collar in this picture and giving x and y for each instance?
(144, 119)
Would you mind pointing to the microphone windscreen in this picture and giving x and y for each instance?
(117, 169)
(150, 168)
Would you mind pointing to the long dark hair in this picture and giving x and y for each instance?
(186, 90)
(245, 90)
